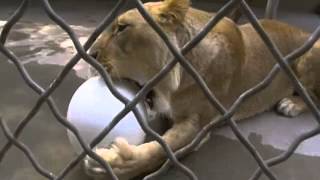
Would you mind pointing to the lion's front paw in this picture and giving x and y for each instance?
(291, 107)
(125, 160)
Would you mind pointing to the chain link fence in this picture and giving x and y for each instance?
(283, 64)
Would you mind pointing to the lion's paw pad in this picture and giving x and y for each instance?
(288, 107)
(92, 167)
(119, 156)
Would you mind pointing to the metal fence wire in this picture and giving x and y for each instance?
(283, 64)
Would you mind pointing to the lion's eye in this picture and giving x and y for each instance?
(122, 27)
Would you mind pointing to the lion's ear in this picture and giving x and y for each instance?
(174, 10)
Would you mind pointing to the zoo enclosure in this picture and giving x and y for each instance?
(45, 94)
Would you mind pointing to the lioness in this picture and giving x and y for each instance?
(231, 59)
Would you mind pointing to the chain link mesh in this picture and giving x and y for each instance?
(283, 64)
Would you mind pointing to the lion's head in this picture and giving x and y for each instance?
(131, 49)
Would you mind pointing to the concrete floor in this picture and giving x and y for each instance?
(43, 47)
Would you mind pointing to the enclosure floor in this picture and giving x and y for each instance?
(44, 48)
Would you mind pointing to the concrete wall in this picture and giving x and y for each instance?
(298, 5)
(307, 5)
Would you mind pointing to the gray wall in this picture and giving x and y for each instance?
(297, 5)
(306, 5)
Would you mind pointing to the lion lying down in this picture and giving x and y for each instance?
(231, 59)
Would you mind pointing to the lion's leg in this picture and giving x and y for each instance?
(129, 161)
(182, 132)
(308, 71)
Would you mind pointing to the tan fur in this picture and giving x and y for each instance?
(231, 59)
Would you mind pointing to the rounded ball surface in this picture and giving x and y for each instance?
(93, 107)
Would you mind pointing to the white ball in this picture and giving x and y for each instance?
(93, 107)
